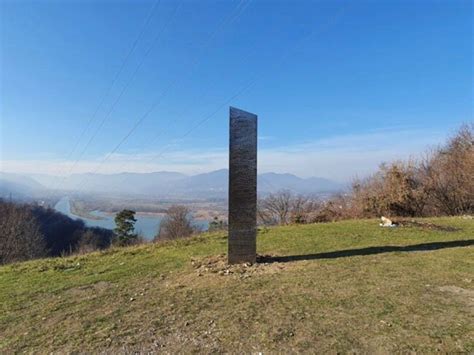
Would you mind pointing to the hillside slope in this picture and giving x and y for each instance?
(347, 286)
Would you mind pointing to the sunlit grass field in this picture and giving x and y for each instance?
(338, 287)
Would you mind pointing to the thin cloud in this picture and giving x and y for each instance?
(339, 157)
(266, 138)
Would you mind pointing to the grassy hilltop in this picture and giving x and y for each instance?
(343, 286)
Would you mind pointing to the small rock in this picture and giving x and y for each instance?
(132, 299)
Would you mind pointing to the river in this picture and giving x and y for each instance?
(146, 225)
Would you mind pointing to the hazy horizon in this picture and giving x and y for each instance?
(106, 87)
(338, 158)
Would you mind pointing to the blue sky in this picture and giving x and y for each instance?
(338, 86)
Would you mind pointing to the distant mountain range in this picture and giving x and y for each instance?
(161, 184)
(20, 186)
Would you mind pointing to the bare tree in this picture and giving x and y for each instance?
(441, 184)
(395, 189)
(92, 239)
(449, 174)
(283, 207)
(275, 208)
(20, 237)
(176, 224)
(303, 209)
(340, 206)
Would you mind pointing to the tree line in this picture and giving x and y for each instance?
(29, 231)
(441, 183)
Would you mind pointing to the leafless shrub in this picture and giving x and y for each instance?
(337, 208)
(283, 207)
(449, 174)
(93, 239)
(176, 224)
(275, 208)
(304, 209)
(396, 189)
(440, 184)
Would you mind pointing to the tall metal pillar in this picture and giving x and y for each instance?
(242, 244)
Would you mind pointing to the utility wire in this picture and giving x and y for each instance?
(160, 97)
(251, 82)
(116, 76)
(190, 106)
(110, 87)
(238, 11)
(124, 88)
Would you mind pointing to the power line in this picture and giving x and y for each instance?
(239, 9)
(116, 76)
(251, 82)
(191, 105)
(158, 101)
(246, 87)
(124, 88)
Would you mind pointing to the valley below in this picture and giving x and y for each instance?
(101, 213)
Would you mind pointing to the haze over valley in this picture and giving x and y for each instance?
(169, 185)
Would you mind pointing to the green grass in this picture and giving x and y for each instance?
(154, 298)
